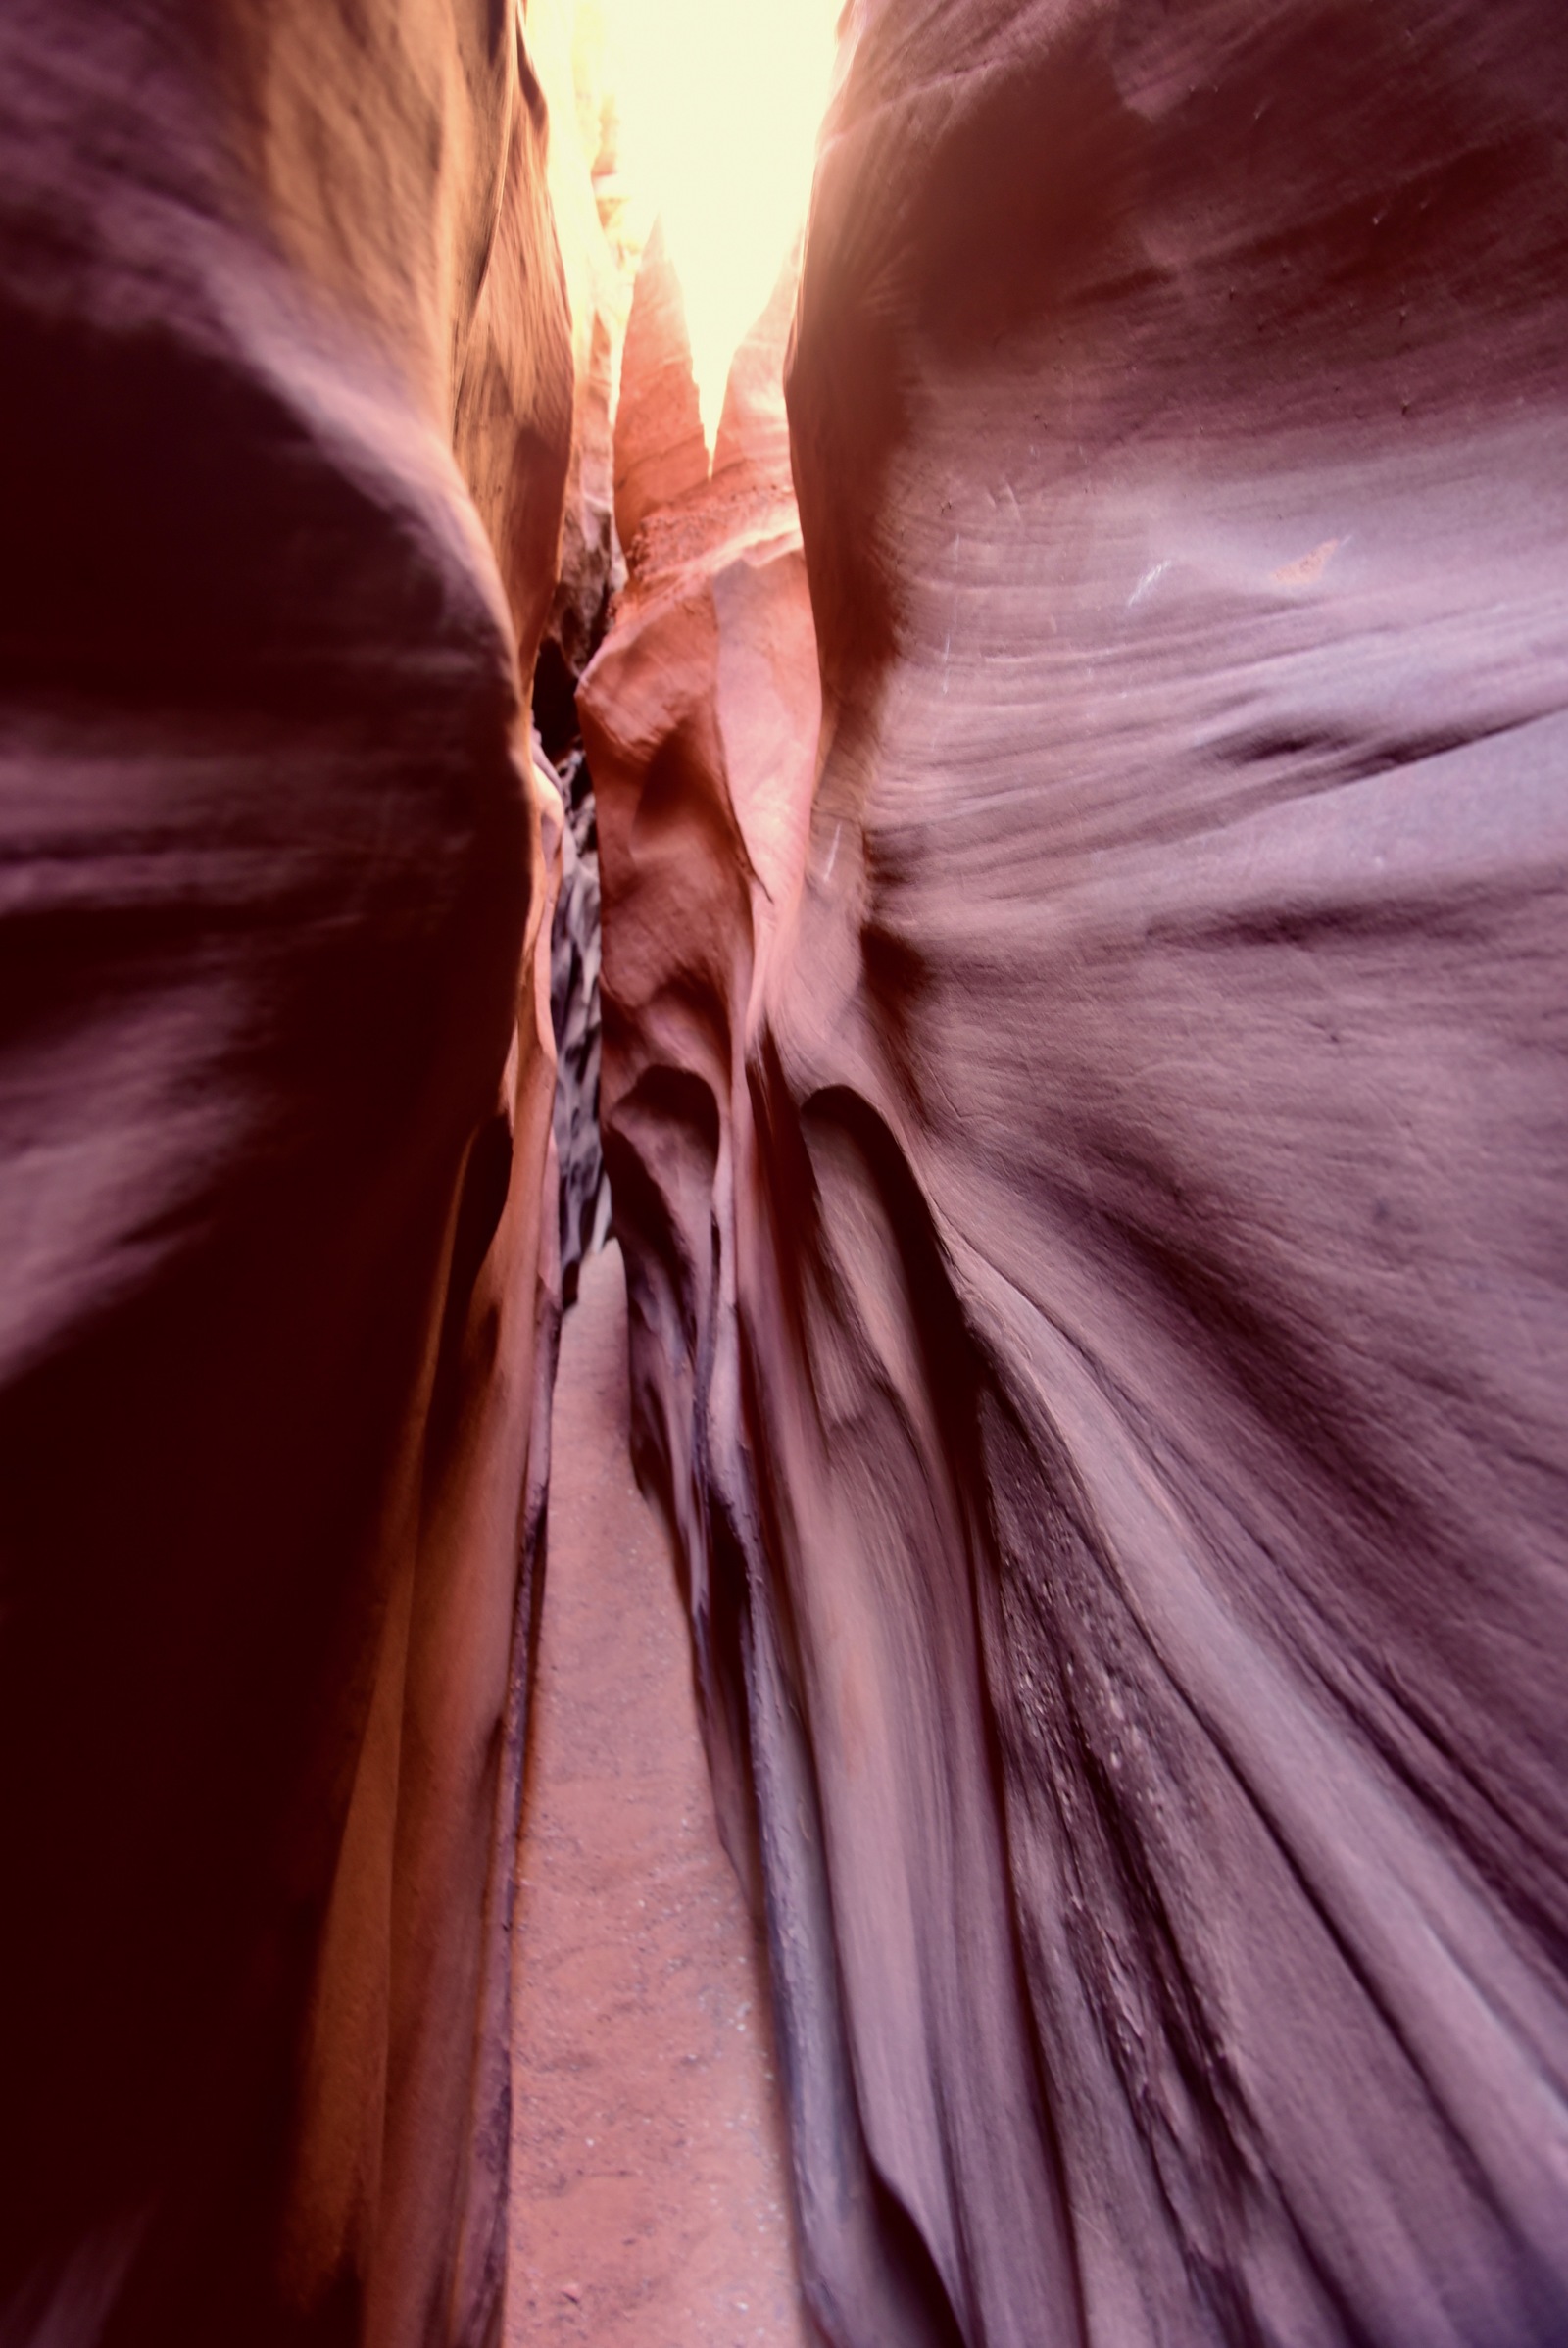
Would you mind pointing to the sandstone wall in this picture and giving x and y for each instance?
(1088, 1133)
(289, 392)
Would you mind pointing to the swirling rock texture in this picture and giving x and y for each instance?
(290, 394)
(588, 207)
(575, 1013)
(699, 717)
(1088, 1137)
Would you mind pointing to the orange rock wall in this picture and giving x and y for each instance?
(291, 388)
(1084, 1097)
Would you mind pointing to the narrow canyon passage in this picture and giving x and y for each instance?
(930, 639)
(650, 2196)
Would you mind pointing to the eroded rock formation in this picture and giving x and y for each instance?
(1088, 1138)
(574, 1014)
(700, 716)
(289, 400)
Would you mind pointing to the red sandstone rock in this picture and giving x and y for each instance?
(660, 454)
(700, 717)
(275, 1101)
(598, 280)
(1096, 1245)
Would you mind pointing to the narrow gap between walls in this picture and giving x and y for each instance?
(575, 958)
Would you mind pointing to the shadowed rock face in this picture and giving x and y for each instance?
(576, 1018)
(1090, 1155)
(284, 321)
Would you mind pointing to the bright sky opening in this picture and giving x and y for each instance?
(720, 104)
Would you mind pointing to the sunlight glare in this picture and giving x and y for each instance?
(720, 102)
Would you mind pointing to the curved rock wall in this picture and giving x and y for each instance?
(289, 397)
(699, 716)
(1088, 1138)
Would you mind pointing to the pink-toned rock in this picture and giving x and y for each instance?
(700, 718)
(598, 281)
(1096, 1241)
(661, 455)
(753, 445)
(289, 393)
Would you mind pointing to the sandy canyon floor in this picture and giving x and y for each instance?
(650, 2200)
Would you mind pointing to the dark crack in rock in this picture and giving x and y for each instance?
(575, 1016)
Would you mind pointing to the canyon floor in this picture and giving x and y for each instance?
(650, 2200)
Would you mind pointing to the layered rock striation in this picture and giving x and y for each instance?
(699, 716)
(575, 1013)
(1085, 1126)
(290, 393)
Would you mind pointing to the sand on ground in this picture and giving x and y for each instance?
(649, 2203)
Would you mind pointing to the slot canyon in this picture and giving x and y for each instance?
(784, 1174)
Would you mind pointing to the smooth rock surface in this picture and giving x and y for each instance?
(289, 393)
(1092, 1170)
